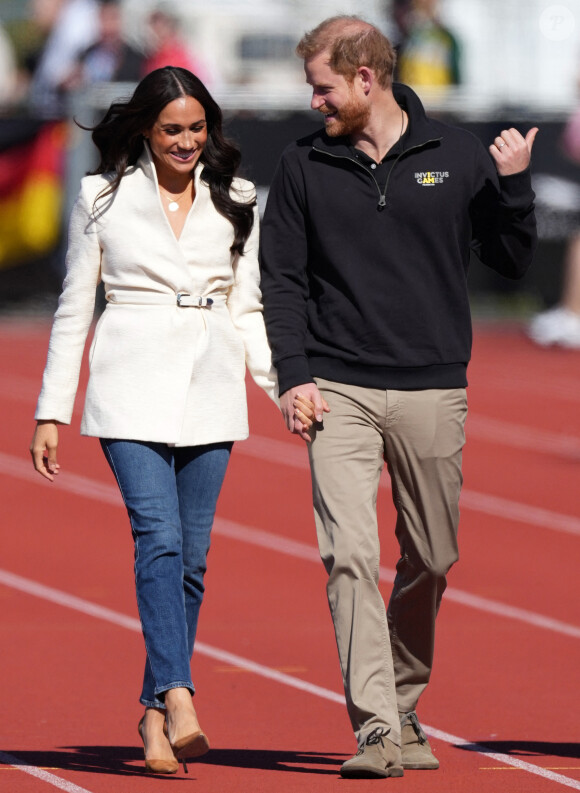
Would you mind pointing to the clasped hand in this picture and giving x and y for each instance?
(301, 406)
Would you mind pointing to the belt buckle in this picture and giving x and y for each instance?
(197, 300)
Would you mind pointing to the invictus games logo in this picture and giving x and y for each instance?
(430, 178)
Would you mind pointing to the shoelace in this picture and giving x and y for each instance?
(374, 737)
(412, 718)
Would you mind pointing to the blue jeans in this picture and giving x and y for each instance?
(171, 496)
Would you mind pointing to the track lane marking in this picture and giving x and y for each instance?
(40, 773)
(487, 378)
(295, 456)
(300, 550)
(513, 762)
(505, 433)
(125, 621)
(109, 494)
(520, 436)
(548, 768)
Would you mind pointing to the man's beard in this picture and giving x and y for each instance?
(352, 117)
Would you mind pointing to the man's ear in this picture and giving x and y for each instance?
(366, 78)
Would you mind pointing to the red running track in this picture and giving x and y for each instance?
(502, 708)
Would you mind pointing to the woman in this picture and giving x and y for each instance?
(173, 235)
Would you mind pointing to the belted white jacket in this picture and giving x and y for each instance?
(160, 370)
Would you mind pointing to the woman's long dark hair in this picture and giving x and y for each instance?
(119, 139)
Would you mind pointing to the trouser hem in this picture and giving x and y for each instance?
(157, 704)
(158, 701)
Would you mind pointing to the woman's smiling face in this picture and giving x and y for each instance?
(178, 137)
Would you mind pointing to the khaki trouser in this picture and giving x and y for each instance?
(386, 658)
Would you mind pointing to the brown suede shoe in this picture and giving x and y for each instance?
(376, 758)
(415, 749)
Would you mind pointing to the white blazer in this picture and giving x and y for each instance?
(159, 371)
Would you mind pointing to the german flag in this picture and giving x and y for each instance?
(31, 188)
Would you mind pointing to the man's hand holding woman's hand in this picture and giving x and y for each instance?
(301, 406)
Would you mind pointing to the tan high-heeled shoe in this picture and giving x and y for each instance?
(195, 744)
(170, 766)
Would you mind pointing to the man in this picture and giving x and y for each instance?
(365, 248)
(70, 32)
(110, 58)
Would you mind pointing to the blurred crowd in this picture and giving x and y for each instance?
(62, 46)
(49, 57)
(428, 52)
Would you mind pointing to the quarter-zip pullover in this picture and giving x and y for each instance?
(364, 270)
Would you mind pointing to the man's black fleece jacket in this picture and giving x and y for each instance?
(364, 276)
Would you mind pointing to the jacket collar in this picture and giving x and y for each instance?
(421, 129)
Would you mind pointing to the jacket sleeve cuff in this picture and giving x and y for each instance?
(293, 371)
(516, 189)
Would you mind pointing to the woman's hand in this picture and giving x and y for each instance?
(304, 413)
(43, 449)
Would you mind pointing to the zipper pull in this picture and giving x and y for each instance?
(382, 203)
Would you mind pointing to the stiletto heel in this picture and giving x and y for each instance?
(194, 745)
(157, 766)
(180, 717)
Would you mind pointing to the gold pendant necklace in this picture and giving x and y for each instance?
(173, 205)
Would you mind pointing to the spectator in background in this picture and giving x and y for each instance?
(168, 47)
(28, 37)
(75, 28)
(428, 54)
(7, 68)
(110, 58)
(560, 325)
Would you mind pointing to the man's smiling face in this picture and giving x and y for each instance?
(343, 106)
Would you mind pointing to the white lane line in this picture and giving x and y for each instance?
(109, 494)
(501, 432)
(296, 456)
(100, 612)
(487, 378)
(514, 762)
(504, 433)
(266, 671)
(40, 773)
(61, 598)
(520, 436)
(301, 550)
(71, 483)
(523, 513)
